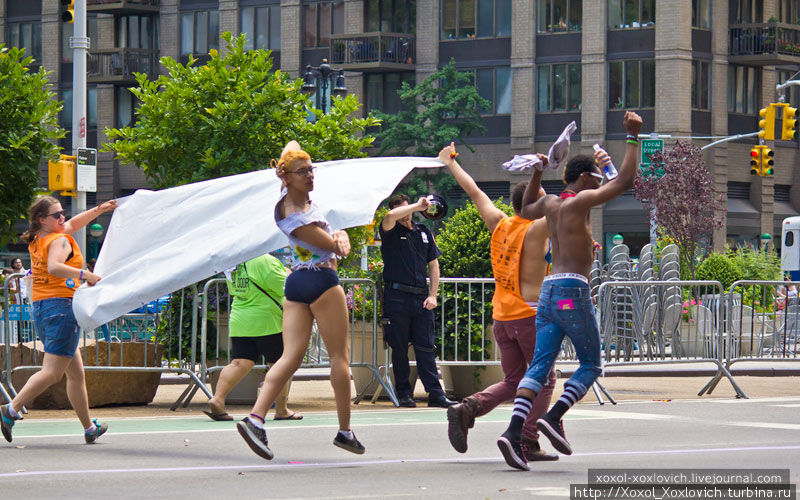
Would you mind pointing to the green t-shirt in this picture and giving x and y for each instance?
(253, 314)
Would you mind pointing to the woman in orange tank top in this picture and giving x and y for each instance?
(57, 266)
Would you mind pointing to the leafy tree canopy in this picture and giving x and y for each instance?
(28, 132)
(230, 116)
(444, 107)
(685, 203)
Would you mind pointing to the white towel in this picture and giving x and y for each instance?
(555, 157)
(523, 163)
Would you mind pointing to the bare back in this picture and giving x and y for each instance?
(532, 266)
(570, 235)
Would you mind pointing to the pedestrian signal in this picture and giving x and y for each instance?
(61, 175)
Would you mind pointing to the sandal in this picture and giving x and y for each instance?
(293, 416)
(219, 417)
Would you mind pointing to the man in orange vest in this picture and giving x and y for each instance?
(519, 249)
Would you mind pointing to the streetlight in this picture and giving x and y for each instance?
(617, 239)
(765, 239)
(324, 72)
(93, 246)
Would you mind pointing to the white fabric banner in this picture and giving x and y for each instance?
(161, 241)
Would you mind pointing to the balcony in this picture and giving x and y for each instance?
(119, 65)
(374, 51)
(765, 44)
(123, 6)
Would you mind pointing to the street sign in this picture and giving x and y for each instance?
(86, 175)
(650, 147)
(17, 312)
(83, 127)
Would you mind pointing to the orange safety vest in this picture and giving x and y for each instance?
(45, 285)
(506, 250)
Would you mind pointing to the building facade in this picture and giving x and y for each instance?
(690, 68)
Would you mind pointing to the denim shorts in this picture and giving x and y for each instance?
(307, 285)
(56, 326)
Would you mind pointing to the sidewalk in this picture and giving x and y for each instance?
(311, 391)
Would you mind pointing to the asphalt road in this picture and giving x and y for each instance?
(408, 454)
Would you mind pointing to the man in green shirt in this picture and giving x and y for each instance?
(255, 326)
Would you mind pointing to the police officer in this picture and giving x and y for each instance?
(409, 252)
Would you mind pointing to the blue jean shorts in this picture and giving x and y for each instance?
(56, 326)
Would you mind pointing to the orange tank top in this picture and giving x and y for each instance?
(45, 285)
(506, 250)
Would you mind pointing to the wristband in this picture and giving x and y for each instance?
(80, 278)
(631, 141)
(453, 155)
(633, 137)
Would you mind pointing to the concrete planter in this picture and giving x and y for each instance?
(464, 380)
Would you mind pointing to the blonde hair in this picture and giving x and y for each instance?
(38, 208)
(287, 159)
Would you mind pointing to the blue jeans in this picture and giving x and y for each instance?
(56, 326)
(565, 308)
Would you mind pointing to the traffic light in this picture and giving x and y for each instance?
(767, 123)
(61, 175)
(68, 16)
(766, 161)
(755, 161)
(788, 132)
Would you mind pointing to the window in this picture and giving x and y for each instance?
(559, 15)
(743, 85)
(745, 11)
(26, 36)
(126, 107)
(701, 82)
(262, 26)
(558, 87)
(788, 11)
(631, 84)
(67, 31)
(137, 32)
(494, 84)
(91, 108)
(321, 20)
(199, 31)
(391, 16)
(701, 13)
(631, 13)
(475, 18)
(382, 90)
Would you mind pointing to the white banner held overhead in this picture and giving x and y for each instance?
(161, 241)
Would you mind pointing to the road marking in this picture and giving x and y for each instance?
(328, 465)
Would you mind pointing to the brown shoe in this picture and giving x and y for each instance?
(534, 452)
(461, 418)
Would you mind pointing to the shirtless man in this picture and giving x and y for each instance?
(518, 252)
(565, 303)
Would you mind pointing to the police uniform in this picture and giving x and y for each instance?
(406, 254)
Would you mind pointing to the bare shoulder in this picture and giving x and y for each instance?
(538, 229)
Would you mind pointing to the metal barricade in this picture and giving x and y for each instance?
(672, 325)
(464, 317)
(16, 326)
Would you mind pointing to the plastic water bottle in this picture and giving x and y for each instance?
(609, 169)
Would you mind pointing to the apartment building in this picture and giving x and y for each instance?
(690, 68)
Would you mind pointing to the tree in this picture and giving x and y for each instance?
(444, 107)
(230, 116)
(28, 132)
(683, 199)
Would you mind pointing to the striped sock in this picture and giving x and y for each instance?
(570, 397)
(522, 406)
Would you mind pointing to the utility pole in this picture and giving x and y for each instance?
(79, 42)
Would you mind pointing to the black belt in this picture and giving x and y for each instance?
(409, 289)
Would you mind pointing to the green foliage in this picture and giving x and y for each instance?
(230, 116)
(28, 132)
(444, 107)
(465, 320)
(757, 264)
(464, 242)
(718, 267)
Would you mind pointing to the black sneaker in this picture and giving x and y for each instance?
(555, 433)
(513, 451)
(7, 422)
(100, 429)
(255, 437)
(406, 402)
(351, 445)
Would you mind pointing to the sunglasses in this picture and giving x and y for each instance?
(58, 215)
(303, 171)
(596, 175)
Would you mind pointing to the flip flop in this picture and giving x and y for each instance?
(293, 416)
(219, 417)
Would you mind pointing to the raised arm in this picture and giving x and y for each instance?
(491, 214)
(533, 198)
(83, 218)
(397, 213)
(627, 172)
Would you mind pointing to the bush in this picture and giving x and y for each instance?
(718, 267)
(757, 264)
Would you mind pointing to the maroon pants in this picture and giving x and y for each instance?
(516, 340)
